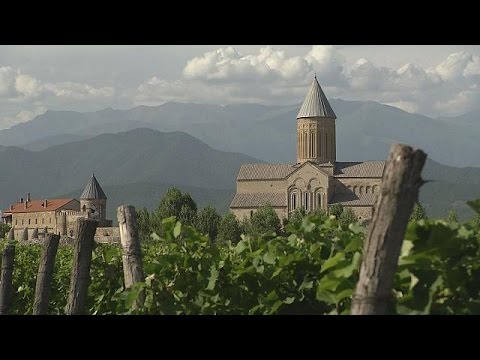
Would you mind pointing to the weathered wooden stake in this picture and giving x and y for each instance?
(132, 256)
(45, 274)
(82, 259)
(399, 191)
(6, 288)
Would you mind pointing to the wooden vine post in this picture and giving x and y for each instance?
(6, 288)
(131, 255)
(45, 274)
(82, 259)
(399, 191)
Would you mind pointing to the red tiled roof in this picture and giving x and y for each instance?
(38, 206)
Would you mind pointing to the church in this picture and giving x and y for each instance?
(33, 219)
(317, 180)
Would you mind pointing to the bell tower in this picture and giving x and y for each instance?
(316, 128)
(93, 201)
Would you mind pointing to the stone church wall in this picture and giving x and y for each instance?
(246, 213)
(261, 186)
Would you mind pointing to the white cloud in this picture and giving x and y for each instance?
(21, 117)
(7, 81)
(271, 77)
(473, 67)
(453, 67)
(328, 63)
(78, 91)
(407, 106)
(266, 75)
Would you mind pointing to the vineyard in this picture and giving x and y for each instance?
(311, 269)
(314, 264)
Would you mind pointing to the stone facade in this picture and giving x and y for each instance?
(59, 216)
(317, 180)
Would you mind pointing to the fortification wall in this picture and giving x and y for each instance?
(109, 235)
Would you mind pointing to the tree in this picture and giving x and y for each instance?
(229, 229)
(148, 223)
(347, 217)
(452, 216)
(264, 220)
(4, 229)
(336, 209)
(418, 212)
(207, 222)
(178, 204)
(297, 217)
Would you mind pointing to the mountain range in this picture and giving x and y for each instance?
(365, 130)
(54, 154)
(139, 165)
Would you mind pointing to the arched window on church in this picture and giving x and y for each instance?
(293, 201)
(306, 201)
(305, 144)
(367, 190)
(84, 208)
(319, 201)
(326, 145)
(312, 143)
(319, 143)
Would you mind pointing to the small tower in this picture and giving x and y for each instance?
(316, 128)
(93, 202)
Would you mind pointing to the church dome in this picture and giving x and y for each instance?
(93, 190)
(316, 103)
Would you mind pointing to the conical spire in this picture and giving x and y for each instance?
(93, 190)
(316, 103)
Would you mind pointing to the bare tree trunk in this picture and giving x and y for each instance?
(132, 256)
(399, 191)
(80, 279)
(45, 274)
(6, 288)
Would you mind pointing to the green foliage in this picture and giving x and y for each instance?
(207, 222)
(297, 216)
(4, 229)
(310, 268)
(452, 216)
(348, 217)
(148, 223)
(263, 221)
(418, 212)
(229, 229)
(178, 204)
(336, 210)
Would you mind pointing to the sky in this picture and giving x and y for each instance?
(433, 80)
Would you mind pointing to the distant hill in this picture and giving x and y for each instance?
(53, 140)
(365, 129)
(148, 195)
(137, 156)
